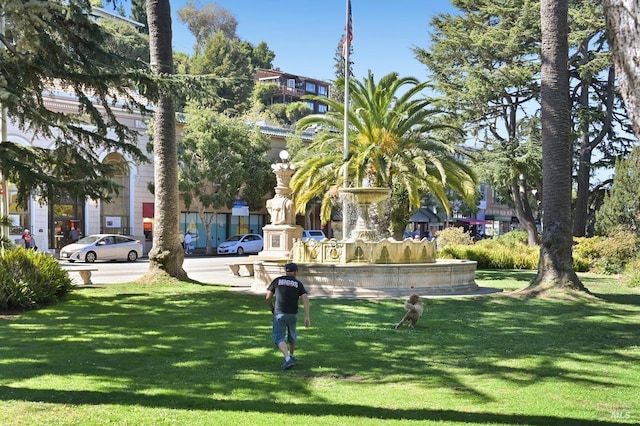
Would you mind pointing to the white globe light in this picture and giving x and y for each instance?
(284, 155)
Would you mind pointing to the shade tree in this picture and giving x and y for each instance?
(486, 60)
(206, 21)
(483, 63)
(221, 159)
(48, 44)
(621, 205)
(600, 122)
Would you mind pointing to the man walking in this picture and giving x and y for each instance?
(287, 290)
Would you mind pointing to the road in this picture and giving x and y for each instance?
(210, 270)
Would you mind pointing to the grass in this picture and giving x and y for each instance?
(177, 354)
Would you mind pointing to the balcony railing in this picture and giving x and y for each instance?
(289, 91)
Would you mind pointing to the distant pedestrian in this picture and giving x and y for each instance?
(188, 239)
(29, 241)
(73, 235)
(287, 290)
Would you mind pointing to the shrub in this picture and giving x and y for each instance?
(30, 280)
(512, 238)
(494, 256)
(632, 273)
(510, 251)
(580, 264)
(586, 250)
(454, 235)
(614, 251)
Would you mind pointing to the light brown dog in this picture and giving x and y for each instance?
(414, 308)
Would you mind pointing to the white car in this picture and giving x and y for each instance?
(313, 234)
(241, 244)
(102, 247)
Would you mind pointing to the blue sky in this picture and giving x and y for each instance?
(304, 34)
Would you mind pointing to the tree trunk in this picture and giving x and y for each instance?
(206, 221)
(555, 270)
(524, 212)
(587, 146)
(584, 167)
(167, 254)
(624, 37)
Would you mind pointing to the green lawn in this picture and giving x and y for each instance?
(202, 355)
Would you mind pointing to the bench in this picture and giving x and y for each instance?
(85, 273)
(235, 268)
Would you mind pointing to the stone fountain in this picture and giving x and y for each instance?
(361, 266)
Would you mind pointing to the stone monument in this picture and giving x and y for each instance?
(280, 233)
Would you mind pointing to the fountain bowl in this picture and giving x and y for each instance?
(367, 195)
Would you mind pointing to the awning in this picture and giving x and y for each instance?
(474, 221)
(424, 215)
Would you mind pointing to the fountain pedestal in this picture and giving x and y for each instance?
(280, 234)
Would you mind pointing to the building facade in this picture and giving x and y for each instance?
(51, 223)
(291, 88)
(132, 210)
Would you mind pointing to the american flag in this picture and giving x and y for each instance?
(349, 37)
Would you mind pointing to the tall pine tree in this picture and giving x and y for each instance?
(69, 50)
(621, 206)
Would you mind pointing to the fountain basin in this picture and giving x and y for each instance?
(442, 277)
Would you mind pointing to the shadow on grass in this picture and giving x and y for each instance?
(621, 299)
(269, 406)
(496, 275)
(193, 342)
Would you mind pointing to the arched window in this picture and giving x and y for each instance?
(115, 215)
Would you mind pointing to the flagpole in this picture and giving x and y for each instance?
(4, 184)
(345, 153)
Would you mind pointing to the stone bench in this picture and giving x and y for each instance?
(85, 273)
(235, 268)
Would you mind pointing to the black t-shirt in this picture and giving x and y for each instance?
(287, 291)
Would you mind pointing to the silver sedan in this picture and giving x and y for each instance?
(103, 247)
(241, 244)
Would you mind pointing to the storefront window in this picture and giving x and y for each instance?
(114, 215)
(19, 216)
(66, 216)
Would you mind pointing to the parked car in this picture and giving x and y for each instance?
(313, 234)
(102, 247)
(241, 244)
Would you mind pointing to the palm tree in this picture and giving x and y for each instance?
(166, 254)
(555, 269)
(394, 143)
